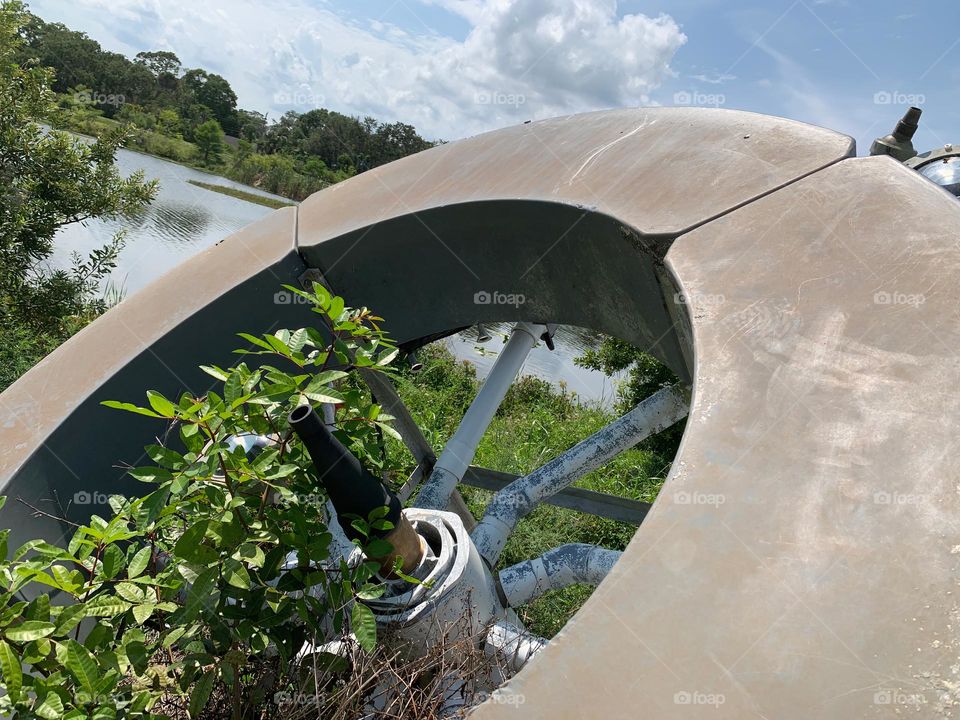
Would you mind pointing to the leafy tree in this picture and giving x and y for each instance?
(214, 92)
(168, 122)
(160, 62)
(252, 125)
(209, 138)
(49, 180)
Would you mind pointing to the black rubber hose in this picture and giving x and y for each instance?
(353, 490)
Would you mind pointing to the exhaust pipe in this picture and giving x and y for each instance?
(899, 143)
(356, 492)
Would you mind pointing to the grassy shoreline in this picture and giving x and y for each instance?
(243, 195)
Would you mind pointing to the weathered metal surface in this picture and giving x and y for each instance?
(571, 215)
(611, 507)
(557, 568)
(802, 559)
(459, 450)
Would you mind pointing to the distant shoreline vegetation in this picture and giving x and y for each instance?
(243, 195)
(190, 116)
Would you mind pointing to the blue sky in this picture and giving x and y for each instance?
(457, 67)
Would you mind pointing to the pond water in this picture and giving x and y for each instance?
(181, 221)
(184, 219)
(557, 366)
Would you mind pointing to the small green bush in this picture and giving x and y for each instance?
(209, 584)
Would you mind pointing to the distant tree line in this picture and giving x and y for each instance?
(156, 93)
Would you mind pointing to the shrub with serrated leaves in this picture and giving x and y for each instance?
(210, 583)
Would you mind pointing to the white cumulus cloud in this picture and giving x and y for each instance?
(521, 59)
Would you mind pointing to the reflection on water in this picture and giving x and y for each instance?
(180, 223)
(184, 219)
(556, 366)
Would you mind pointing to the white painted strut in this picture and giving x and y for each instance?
(459, 451)
(658, 412)
(512, 646)
(558, 568)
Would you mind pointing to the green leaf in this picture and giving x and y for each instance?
(173, 636)
(139, 562)
(214, 372)
(323, 394)
(190, 546)
(364, 626)
(328, 376)
(136, 653)
(129, 407)
(255, 341)
(38, 609)
(387, 358)
(12, 672)
(29, 630)
(250, 554)
(389, 430)
(51, 708)
(106, 606)
(233, 387)
(142, 613)
(150, 474)
(69, 618)
(131, 592)
(83, 665)
(236, 574)
(160, 404)
(201, 694)
(371, 592)
(112, 562)
(200, 593)
(165, 456)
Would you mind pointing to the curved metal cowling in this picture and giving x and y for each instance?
(801, 560)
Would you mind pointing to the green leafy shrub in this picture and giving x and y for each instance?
(209, 585)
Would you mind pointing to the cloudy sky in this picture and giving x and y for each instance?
(454, 68)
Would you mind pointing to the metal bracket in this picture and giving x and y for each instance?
(309, 276)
